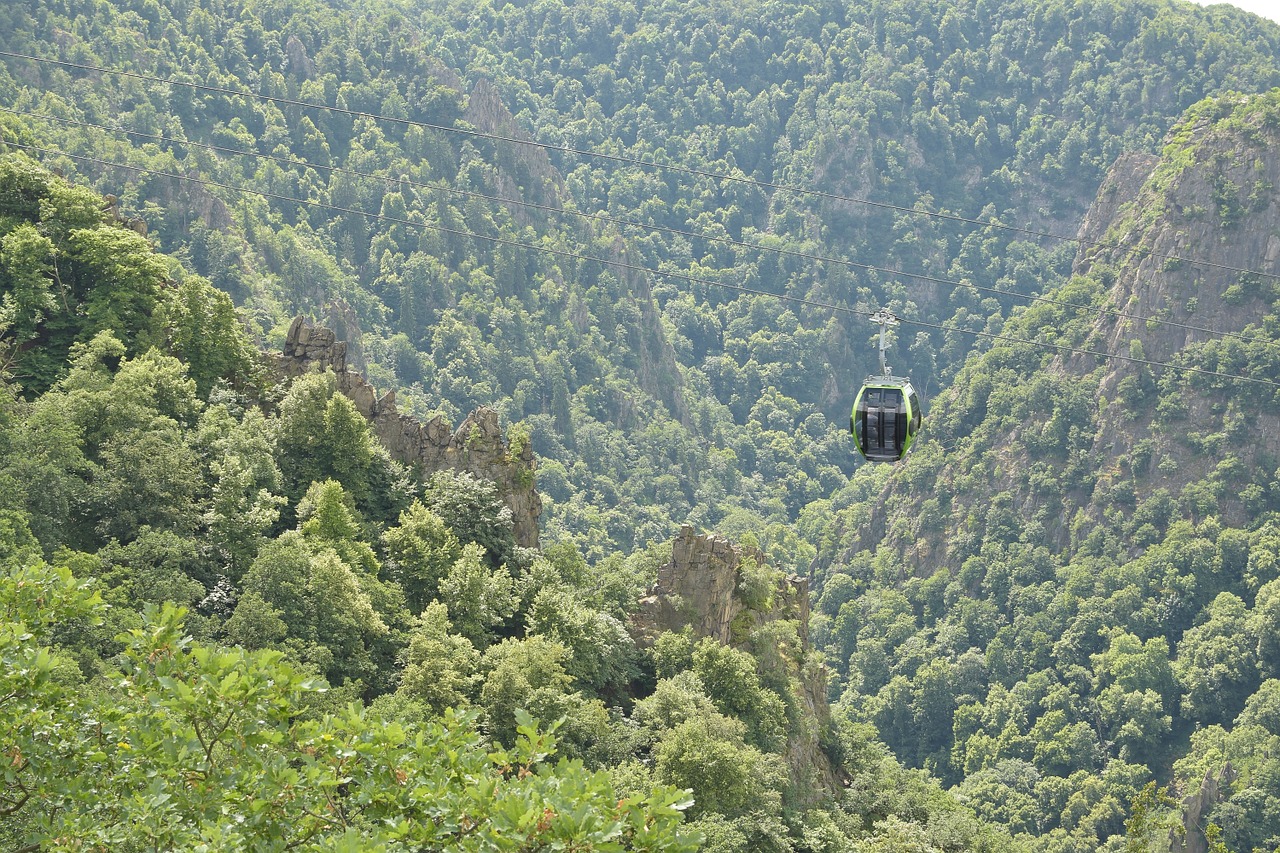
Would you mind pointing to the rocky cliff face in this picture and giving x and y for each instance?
(700, 589)
(1189, 837)
(477, 446)
(1202, 214)
(524, 173)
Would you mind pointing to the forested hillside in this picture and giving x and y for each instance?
(231, 620)
(648, 235)
(1070, 588)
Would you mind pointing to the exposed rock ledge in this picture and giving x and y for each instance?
(477, 446)
(698, 589)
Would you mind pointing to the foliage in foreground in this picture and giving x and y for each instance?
(188, 746)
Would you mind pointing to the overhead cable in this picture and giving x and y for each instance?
(600, 217)
(642, 269)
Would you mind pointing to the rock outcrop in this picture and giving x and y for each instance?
(701, 589)
(524, 172)
(477, 446)
(1190, 836)
(1194, 243)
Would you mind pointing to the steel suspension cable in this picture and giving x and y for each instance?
(647, 270)
(600, 217)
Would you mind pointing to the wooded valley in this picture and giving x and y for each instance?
(425, 426)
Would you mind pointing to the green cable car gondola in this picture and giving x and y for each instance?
(886, 414)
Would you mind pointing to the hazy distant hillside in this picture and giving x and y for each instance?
(651, 400)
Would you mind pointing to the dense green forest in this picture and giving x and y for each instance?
(1079, 595)
(689, 401)
(232, 622)
(1046, 628)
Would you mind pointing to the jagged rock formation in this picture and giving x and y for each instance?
(341, 318)
(525, 172)
(699, 589)
(1120, 187)
(477, 446)
(1191, 836)
(1211, 197)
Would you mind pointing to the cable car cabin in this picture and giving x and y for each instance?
(886, 418)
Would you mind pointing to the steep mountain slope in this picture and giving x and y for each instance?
(1077, 568)
(1040, 611)
(477, 447)
(1071, 440)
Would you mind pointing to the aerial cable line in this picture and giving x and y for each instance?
(634, 161)
(826, 306)
(294, 162)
